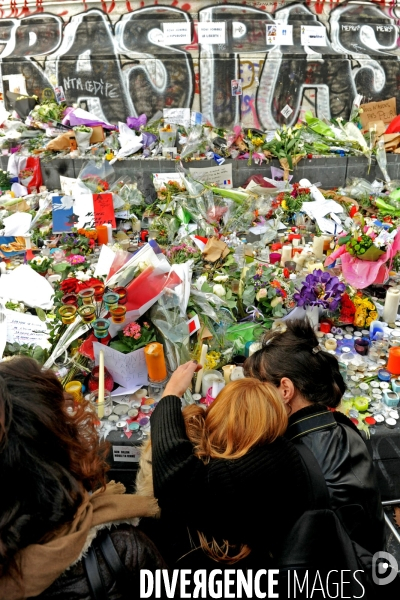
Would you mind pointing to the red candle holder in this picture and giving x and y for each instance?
(121, 291)
(98, 292)
(71, 299)
(93, 383)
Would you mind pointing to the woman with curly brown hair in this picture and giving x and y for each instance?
(54, 500)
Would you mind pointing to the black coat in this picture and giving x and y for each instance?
(136, 552)
(348, 469)
(250, 500)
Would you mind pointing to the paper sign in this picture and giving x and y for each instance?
(91, 210)
(196, 118)
(221, 176)
(378, 111)
(17, 224)
(176, 33)
(177, 116)
(211, 33)
(24, 328)
(313, 35)
(67, 185)
(279, 35)
(126, 453)
(126, 369)
(236, 87)
(161, 179)
(62, 213)
(286, 111)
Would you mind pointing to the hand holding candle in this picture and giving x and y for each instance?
(203, 356)
(100, 397)
(181, 379)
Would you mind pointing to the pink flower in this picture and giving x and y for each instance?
(75, 259)
(132, 330)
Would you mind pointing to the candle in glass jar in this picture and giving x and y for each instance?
(155, 361)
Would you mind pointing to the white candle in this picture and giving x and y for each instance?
(109, 233)
(237, 373)
(318, 246)
(3, 268)
(391, 305)
(227, 369)
(202, 362)
(286, 253)
(100, 396)
(28, 245)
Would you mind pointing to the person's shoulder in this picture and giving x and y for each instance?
(135, 548)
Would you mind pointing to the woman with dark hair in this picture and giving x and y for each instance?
(54, 500)
(309, 383)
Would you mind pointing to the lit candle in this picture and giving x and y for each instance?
(318, 246)
(109, 233)
(202, 362)
(391, 305)
(100, 396)
(155, 361)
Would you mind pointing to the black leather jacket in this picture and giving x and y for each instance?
(348, 470)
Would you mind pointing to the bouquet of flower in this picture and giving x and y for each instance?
(25, 176)
(183, 253)
(46, 111)
(269, 289)
(320, 289)
(292, 201)
(369, 241)
(133, 337)
(82, 136)
(95, 184)
(365, 311)
(5, 177)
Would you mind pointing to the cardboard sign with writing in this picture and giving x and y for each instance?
(378, 111)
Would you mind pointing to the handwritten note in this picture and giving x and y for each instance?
(177, 116)
(24, 328)
(128, 370)
(378, 111)
(221, 176)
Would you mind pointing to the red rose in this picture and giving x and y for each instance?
(83, 285)
(286, 273)
(309, 156)
(69, 285)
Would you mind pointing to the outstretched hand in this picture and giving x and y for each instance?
(181, 379)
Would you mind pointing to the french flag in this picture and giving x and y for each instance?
(199, 241)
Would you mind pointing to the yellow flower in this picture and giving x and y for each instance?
(284, 205)
(368, 321)
(369, 305)
(373, 315)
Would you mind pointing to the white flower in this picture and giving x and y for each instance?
(82, 276)
(221, 278)
(38, 260)
(200, 281)
(219, 290)
(275, 301)
(261, 294)
(277, 136)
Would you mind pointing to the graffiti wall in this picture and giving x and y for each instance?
(259, 63)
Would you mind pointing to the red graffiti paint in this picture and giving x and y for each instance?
(175, 3)
(186, 7)
(128, 6)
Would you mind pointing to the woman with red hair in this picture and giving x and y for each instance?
(54, 501)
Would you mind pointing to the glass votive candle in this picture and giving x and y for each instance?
(98, 292)
(88, 313)
(101, 409)
(70, 299)
(67, 313)
(361, 346)
(118, 313)
(121, 291)
(110, 299)
(86, 295)
(274, 257)
(100, 328)
(290, 265)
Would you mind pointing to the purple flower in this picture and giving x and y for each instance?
(320, 289)
(136, 122)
